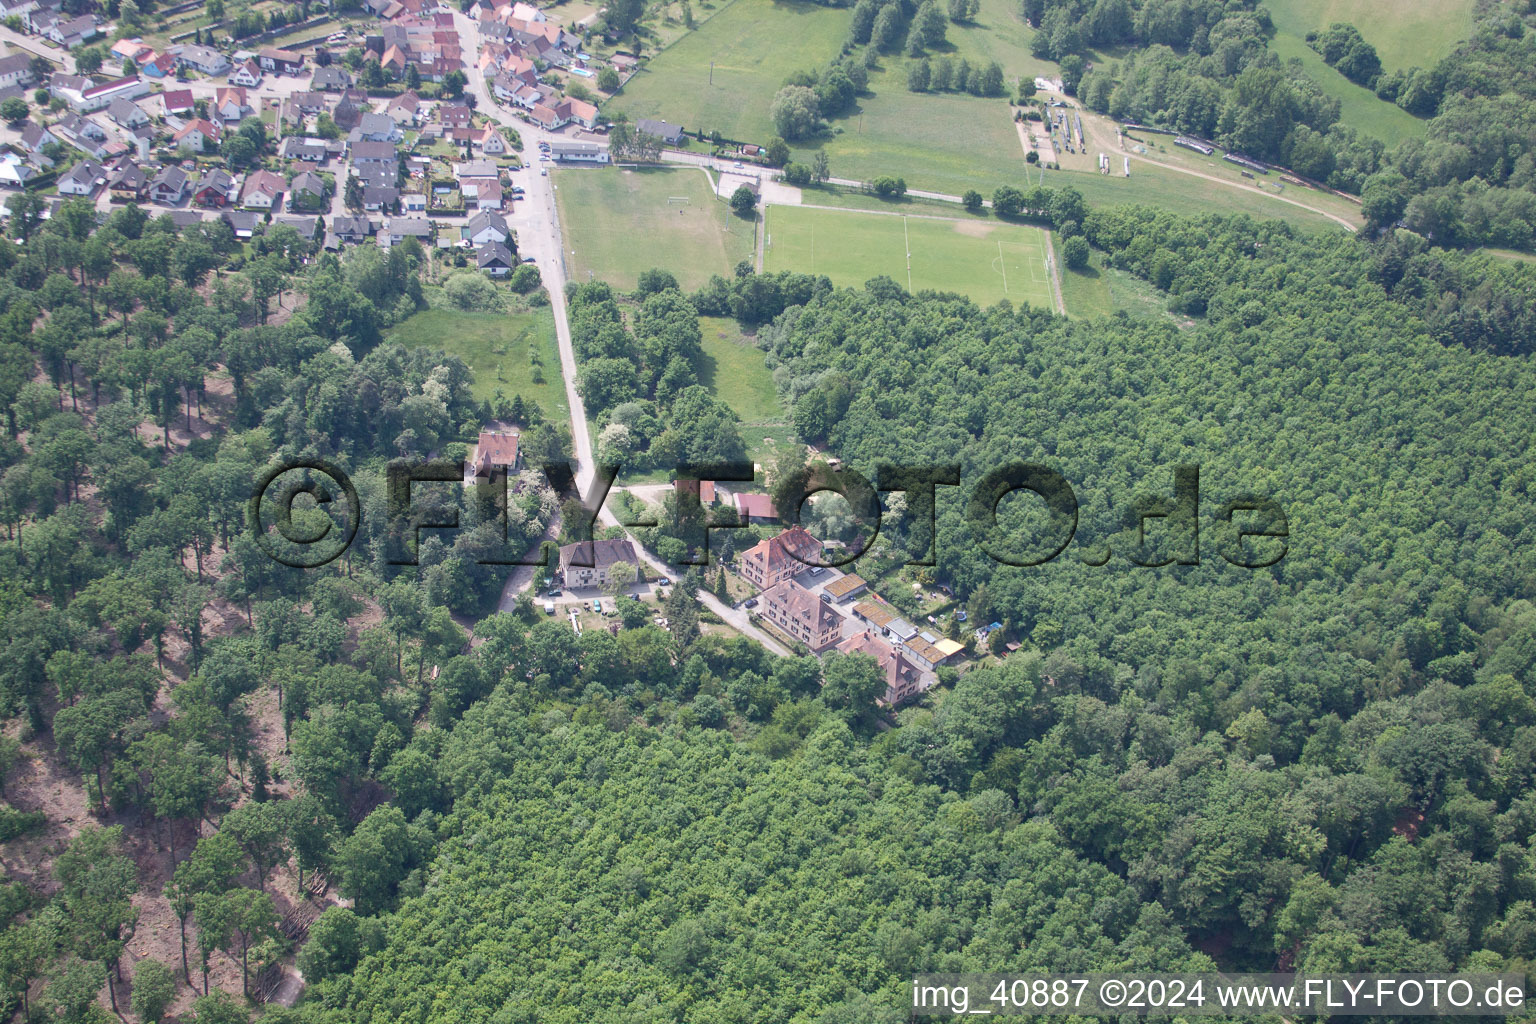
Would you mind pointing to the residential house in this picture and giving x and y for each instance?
(128, 183)
(306, 191)
(204, 59)
(242, 222)
(755, 508)
(380, 198)
(405, 108)
(495, 259)
(15, 70)
(401, 228)
(352, 229)
(214, 188)
(802, 614)
(394, 61)
(492, 143)
(589, 563)
(83, 179)
(307, 227)
(83, 95)
(168, 185)
(262, 190)
(670, 134)
(184, 219)
(378, 155)
(456, 116)
(283, 62)
(177, 102)
(903, 679)
(376, 128)
(230, 105)
(15, 172)
(308, 103)
(330, 79)
(131, 49)
(127, 113)
(526, 12)
(247, 75)
(486, 226)
(198, 135)
(770, 562)
(578, 152)
(298, 147)
(74, 32)
(470, 170)
(413, 202)
(158, 67)
(83, 134)
(34, 137)
(347, 113)
(483, 193)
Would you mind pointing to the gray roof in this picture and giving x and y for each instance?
(308, 181)
(485, 219)
(171, 176)
(84, 172)
(661, 129)
(494, 252)
(417, 227)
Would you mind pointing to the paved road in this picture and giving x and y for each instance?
(537, 223)
(33, 45)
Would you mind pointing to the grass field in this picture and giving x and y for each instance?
(735, 371)
(986, 260)
(1104, 291)
(754, 45)
(1406, 33)
(498, 348)
(621, 222)
(1359, 107)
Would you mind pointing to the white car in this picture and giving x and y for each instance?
(738, 166)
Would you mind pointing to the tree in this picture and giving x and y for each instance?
(454, 83)
(219, 1008)
(743, 201)
(777, 152)
(621, 577)
(821, 168)
(154, 986)
(333, 945)
(623, 15)
(97, 884)
(608, 80)
(794, 112)
(374, 859)
(972, 201)
(353, 194)
(919, 74)
(13, 109)
(262, 832)
(1074, 252)
(887, 27)
(213, 866)
(797, 174)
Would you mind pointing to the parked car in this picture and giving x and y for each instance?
(528, 259)
(815, 570)
(556, 593)
(663, 582)
(751, 602)
(597, 606)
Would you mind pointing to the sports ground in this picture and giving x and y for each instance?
(986, 260)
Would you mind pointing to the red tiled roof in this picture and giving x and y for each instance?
(502, 448)
(759, 505)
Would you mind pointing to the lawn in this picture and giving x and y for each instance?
(1406, 33)
(498, 348)
(735, 371)
(987, 260)
(1099, 290)
(620, 222)
(753, 45)
(1359, 107)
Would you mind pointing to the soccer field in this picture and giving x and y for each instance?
(987, 260)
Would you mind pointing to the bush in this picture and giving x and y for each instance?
(472, 292)
(797, 174)
(973, 201)
(526, 278)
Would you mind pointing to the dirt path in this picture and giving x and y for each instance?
(1055, 272)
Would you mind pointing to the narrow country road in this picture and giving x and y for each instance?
(536, 222)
